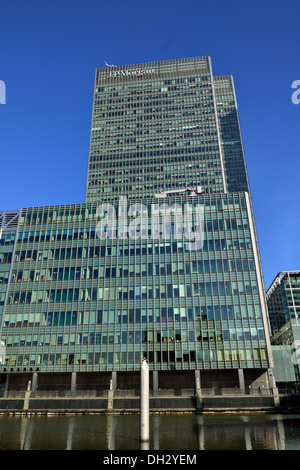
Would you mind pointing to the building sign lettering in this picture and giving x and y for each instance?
(127, 73)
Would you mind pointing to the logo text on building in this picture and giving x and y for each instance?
(127, 73)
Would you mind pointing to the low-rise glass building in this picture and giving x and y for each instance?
(283, 300)
(82, 298)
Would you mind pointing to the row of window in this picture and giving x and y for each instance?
(139, 315)
(164, 68)
(79, 212)
(133, 270)
(111, 251)
(155, 102)
(130, 357)
(113, 293)
(134, 337)
(162, 156)
(176, 225)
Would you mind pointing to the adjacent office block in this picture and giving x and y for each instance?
(283, 298)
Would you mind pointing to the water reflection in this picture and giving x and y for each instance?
(179, 432)
(71, 426)
(26, 430)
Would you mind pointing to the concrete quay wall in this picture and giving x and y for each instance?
(132, 404)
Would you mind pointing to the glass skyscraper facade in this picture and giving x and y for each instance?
(163, 125)
(98, 286)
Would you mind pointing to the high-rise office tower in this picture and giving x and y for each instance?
(164, 125)
(93, 288)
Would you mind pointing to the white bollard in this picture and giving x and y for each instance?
(144, 403)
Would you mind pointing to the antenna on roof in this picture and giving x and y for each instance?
(107, 65)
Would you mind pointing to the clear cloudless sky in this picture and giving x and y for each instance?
(49, 50)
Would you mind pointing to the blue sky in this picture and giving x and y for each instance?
(49, 53)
